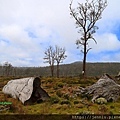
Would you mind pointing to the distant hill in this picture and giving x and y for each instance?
(93, 69)
(72, 69)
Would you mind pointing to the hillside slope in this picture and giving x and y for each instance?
(73, 69)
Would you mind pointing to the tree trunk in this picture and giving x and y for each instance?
(84, 60)
(58, 70)
(84, 66)
(52, 70)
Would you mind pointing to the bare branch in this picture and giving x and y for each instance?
(50, 58)
(88, 50)
(74, 14)
(60, 54)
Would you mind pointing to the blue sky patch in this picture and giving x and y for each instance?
(29, 28)
(32, 35)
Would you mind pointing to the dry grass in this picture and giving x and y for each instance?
(62, 99)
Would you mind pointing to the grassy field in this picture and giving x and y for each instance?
(63, 99)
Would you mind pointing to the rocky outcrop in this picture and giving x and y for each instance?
(105, 87)
(27, 90)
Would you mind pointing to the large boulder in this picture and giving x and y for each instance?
(27, 90)
(105, 87)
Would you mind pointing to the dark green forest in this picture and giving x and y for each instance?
(66, 70)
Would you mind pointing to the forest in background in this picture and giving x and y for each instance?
(65, 70)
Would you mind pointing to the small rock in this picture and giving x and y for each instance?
(101, 100)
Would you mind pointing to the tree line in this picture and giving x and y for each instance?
(66, 70)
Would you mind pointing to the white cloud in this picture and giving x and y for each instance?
(105, 42)
(110, 17)
(27, 27)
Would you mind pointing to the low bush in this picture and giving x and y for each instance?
(102, 108)
(112, 107)
(50, 80)
(65, 102)
(76, 102)
(66, 96)
(54, 100)
(55, 87)
(60, 84)
(59, 93)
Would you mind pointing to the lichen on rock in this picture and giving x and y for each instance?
(105, 87)
(101, 100)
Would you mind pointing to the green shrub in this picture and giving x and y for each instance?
(86, 113)
(59, 93)
(86, 82)
(60, 84)
(76, 102)
(112, 107)
(55, 87)
(102, 108)
(72, 81)
(54, 100)
(111, 113)
(66, 96)
(65, 102)
(83, 85)
(50, 80)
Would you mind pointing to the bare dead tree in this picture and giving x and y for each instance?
(7, 69)
(86, 15)
(59, 57)
(50, 58)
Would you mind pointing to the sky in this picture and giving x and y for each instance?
(29, 27)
